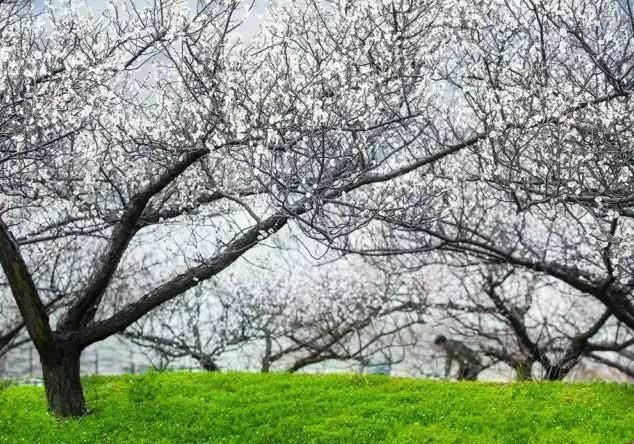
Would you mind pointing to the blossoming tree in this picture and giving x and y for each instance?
(126, 127)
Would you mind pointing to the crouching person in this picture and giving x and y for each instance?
(469, 363)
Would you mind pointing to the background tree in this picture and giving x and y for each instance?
(343, 310)
(524, 322)
(550, 188)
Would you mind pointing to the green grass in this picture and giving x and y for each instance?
(277, 408)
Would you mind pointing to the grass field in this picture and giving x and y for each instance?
(278, 408)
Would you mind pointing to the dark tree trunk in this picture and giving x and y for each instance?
(64, 393)
(559, 371)
(266, 359)
(208, 364)
(555, 373)
(523, 370)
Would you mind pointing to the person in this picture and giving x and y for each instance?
(469, 363)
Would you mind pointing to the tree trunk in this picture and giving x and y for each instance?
(266, 359)
(64, 393)
(208, 364)
(558, 372)
(523, 370)
(555, 373)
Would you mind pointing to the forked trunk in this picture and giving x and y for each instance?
(64, 393)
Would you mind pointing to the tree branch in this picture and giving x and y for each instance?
(105, 265)
(25, 294)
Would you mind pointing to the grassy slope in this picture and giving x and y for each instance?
(250, 408)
